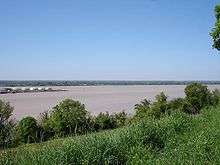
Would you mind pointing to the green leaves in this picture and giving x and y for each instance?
(6, 124)
(68, 117)
(27, 130)
(215, 33)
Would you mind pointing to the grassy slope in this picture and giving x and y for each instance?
(178, 139)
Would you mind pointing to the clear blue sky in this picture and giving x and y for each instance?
(107, 40)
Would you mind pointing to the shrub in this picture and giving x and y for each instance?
(160, 106)
(156, 109)
(68, 117)
(46, 132)
(120, 118)
(176, 104)
(215, 97)
(197, 96)
(104, 121)
(142, 109)
(27, 130)
(6, 124)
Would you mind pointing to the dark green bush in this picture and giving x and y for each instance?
(197, 96)
(46, 131)
(176, 104)
(6, 124)
(104, 121)
(68, 117)
(156, 109)
(142, 109)
(28, 130)
(120, 118)
(160, 106)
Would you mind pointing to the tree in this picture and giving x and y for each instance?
(5, 112)
(215, 33)
(144, 104)
(104, 121)
(46, 131)
(160, 106)
(120, 118)
(142, 109)
(6, 124)
(27, 130)
(156, 109)
(68, 117)
(198, 96)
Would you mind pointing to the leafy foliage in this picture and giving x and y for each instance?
(215, 33)
(176, 104)
(27, 130)
(215, 97)
(120, 119)
(197, 96)
(6, 124)
(68, 117)
(160, 106)
(142, 109)
(106, 121)
(156, 109)
(46, 131)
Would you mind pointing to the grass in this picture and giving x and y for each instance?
(177, 139)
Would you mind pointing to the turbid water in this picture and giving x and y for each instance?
(96, 98)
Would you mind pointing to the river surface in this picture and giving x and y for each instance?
(96, 98)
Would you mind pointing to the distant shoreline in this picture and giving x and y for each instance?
(40, 83)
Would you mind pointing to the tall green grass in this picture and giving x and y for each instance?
(175, 139)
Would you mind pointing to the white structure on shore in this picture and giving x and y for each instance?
(24, 89)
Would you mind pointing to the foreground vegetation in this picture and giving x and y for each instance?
(180, 131)
(175, 139)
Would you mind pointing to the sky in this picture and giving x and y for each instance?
(107, 40)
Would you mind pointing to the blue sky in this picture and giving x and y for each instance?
(107, 40)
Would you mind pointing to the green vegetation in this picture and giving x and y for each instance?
(27, 130)
(106, 121)
(6, 124)
(68, 117)
(180, 131)
(175, 139)
(215, 33)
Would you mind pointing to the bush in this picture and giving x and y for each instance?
(215, 97)
(104, 121)
(160, 106)
(46, 132)
(142, 109)
(176, 104)
(120, 118)
(198, 96)
(6, 124)
(27, 130)
(155, 110)
(68, 117)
